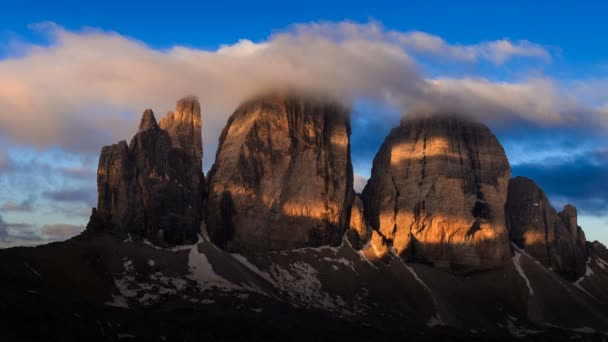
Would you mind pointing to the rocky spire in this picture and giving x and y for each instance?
(154, 186)
(148, 120)
(437, 192)
(282, 177)
(553, 239)
(184, 126)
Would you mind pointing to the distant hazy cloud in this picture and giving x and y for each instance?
(4, 161)
(60, 231)
(74, 93)
(21, 233)
(85, 195)
(26, 205)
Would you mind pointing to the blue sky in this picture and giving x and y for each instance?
(536, 72)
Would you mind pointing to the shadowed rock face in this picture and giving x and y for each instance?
(282, 177)
(555, 239)
(154, 186)
(437, 192)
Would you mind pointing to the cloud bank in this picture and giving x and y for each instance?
(77, 91)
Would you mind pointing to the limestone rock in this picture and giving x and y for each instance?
(597, 249)
(154, 186)
(184, 128)
(570, 218)
(554, 239)
(282, 177)
(437, 192)
(357, 221)
(148, 121)
(113, 185)
(376, 249)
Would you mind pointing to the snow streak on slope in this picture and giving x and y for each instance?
(588, 273)
(516, 258)
(202, 271)
(254, 268)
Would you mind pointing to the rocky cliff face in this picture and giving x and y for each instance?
(184, 128)
(282, 177)
(154, 186)
(437, 192)
(555, 239)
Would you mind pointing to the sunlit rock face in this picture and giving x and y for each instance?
(282, 177)
(154, 186)
(554, 239)
(358, 224)
(437, 192)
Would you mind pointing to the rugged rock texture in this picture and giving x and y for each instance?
(598, 248)
(154, 186)
(376, 248)
(358, 223)
(437, 192)
(555, 239)
(184, 127)
(282, 177)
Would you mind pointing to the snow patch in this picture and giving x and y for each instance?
(518, 330)
(202, 271)
(584, 330)
(299, 281)
(342, 261)
(118, 301)
(435, 321)
(119, 335)
(588, 273)
(127, 264)
(204, 233)
(32, 269)
(601, 263)
(415, 275)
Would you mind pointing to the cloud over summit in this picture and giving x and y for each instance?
(75, 91)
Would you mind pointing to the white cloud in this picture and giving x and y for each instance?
(74, 92)
(498, 51)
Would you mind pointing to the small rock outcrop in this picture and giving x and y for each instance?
(357, 222)
(437, 193)
(282, 177)
(553, 238)
(153, 187)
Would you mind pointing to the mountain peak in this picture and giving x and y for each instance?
(148, 120)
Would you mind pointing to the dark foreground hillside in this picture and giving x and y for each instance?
(100, 287)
